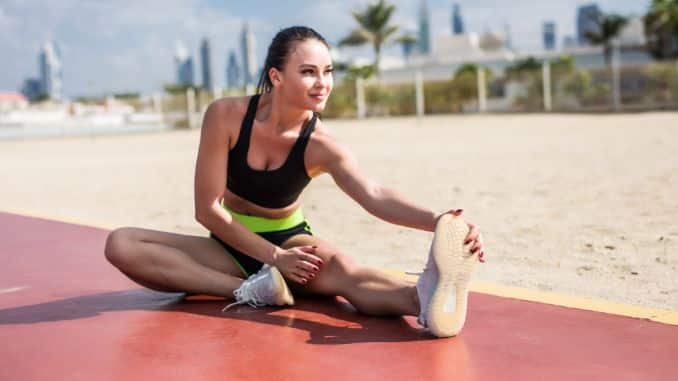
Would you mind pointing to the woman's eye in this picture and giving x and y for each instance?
(311, 71)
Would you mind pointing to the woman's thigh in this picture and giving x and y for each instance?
(335, 274)
(204, 250)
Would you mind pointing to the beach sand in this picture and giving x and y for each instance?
(583, 205)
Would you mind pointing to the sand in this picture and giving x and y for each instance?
(583, 205)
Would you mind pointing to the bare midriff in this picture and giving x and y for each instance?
(242, 206)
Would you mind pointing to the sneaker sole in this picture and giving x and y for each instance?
(285, 297)
(455, 266)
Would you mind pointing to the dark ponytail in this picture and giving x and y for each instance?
(279, 49)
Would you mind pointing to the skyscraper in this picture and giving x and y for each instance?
(424, 29)
(184, 65)
(457, 22)
(249, 61)
(508, 42)
(32, 89)
(549, 35)
(587, 17)
(50, 64)
(233, 79)
(410, 44)
(206, 62)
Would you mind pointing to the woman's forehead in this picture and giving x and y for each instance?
(311, 52)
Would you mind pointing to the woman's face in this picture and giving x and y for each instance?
(306, 80)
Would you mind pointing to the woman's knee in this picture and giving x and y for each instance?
(118, 249)
(334, 275)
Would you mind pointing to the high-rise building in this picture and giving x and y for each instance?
(249, 61)
(424, 30)
(408, 46)
(206, 65)
(587, 21)
(457, 21)
(51, 79)
(32, 89)
(184, 65)
(549, 35)
(233, 79)
(508, 42)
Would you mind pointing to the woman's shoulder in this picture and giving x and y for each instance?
(325, 146)
(225, 114)
(229, 107)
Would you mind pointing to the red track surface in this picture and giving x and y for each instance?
(78, 318)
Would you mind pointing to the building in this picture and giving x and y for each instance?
(184, 65)
(233, 78)
(206, 65)
(408, 47)
(249, 61)
(549, 35)
(507, 37)
(457, 21)
(424, 43)
(12, 101)
(587, 21)
(51, 79)
(32, 89)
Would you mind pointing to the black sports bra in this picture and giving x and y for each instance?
(271, 189)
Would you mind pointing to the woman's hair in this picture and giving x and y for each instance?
(280, 48)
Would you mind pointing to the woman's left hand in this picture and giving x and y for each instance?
(473, 236)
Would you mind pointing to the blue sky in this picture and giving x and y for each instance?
(127, 45)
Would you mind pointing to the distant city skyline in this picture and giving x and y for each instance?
(133, 41)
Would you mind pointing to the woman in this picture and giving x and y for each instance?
(256, 155)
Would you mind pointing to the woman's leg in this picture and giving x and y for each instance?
(369, 290)
(173, 262)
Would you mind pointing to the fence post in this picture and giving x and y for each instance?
(157, 103)
(419, 92)
(190, 106)
(546, 74)
(217, 93)
(482, 96)
(616, 99)
(360, 97)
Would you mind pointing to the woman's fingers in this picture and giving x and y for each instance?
(297, 277)
(307, 268)
(309, 256)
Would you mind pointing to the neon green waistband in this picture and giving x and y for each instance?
(263, 224)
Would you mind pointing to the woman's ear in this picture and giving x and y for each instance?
(275, 76)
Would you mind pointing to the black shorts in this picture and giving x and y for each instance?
(249, 265)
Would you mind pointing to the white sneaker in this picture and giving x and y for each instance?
(266, 287)
(448, 271)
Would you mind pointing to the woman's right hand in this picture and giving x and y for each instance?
(298, 263)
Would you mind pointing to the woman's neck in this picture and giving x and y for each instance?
(279, 115)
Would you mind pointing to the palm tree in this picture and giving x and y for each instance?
(608, 28)
(372, 28)
(661, 29)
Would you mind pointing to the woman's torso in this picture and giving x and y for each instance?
(264, 155)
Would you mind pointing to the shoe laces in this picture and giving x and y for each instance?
(247, 292)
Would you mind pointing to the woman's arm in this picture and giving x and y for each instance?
(379, 201)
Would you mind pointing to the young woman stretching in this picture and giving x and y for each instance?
(256, 155)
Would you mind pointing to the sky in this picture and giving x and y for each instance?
(128, 45)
